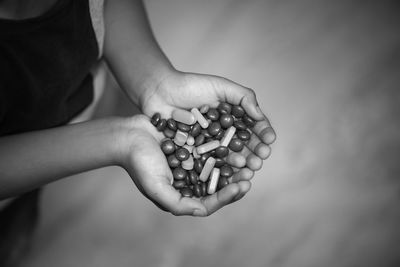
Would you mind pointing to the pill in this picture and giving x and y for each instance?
(248, 121)
(222, 182)
(197, 190)
(183, 127)
(240, 125)
(229, 133)
(204, 157)
(179, 173)
(173, 162)
(155, 119)
(204, 108)
(207, 168)
(180, 138)
(190, 140)
(219, 135)
(207, 147)
(188, 164)
(183, 116)
(203, 188)
(193, 177)
(198, 166)
(237, 111)
(221, 152)
(224, 108)
(182, 154)
(213, 114)
(212, 184)
(169, 133)
(187, 180)
(189, 148)
(168, 147)
(243, 135)
(171, 124)
(214, 128)
(161, 125)
(186, 192)
(199, 140)
(236, 145)
(226, 171)
(195, 154)
(206, 133)
(200, 118)
(219, 162)
(178, 184)
(196, 130)
(226, 120)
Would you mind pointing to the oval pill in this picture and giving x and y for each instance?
(197, 190)
(222, 182)
(173, 162)
(199, 140)
(168, 147)
(190, 140)
(155, 118)
(219, 162)
(196, 130)
(213, 114)
(171, 124)
(183, 127)
(204, 108)
(193, 176)
(182, 154)
(243, 135)
(226, 171)
(161, 125)
(198, 166)
(180, 138)
(236, 145)
(186, 192)
(240, 125)
(221, 152)
(188, 164)
(237, 111)
(169, 133)
(226, 121)
(248, 121)
(179, 173)
(183, 116)
(178, 184)
(224, 108)
(214, 128)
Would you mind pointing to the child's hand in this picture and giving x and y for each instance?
(188, 90)
(143, 159)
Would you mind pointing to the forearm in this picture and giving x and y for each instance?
(131, 50)
(33, 159)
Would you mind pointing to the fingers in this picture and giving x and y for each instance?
(264, 131)
(221, 198)
(253, 162)
(244, 188)
(259, 148)
(244, 174)
(236, 160)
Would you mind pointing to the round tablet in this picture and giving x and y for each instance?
(226, 120)
(173, 162)
(213, 114)
(243, 135)
(168, 147)
(236, 145)
(179, 173)
(155, 118)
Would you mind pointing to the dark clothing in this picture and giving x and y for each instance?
(44, 67)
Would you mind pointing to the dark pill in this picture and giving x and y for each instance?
(203, 189)
(219, 162)
(224, 108)
(214, 128)
(243, 135)
(226, 171)
(239, 125)
(169, 133)
(161, 125)
(196, 130)
(198, 166)
(237, 111)
(186, 192)
(194, 177)
(168, 147)
(179, 173)
(248, 121)
(206, 133)
(204, 157)
(173, 162)
(213, 114)
(219, 135)
(183, 127)
(236, 145)
(221, 152)
(171, 124)
(182, 154)
(197, 190)
(155, 119)
(226, 121)
(199, 140)
(178, 184)
(222, 182)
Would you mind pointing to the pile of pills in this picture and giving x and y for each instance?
(197, 143)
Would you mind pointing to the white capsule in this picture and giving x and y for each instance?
(183, 116)
(190, 140)
(204, 148)
(207, 168)
(195, 154)
(200, 118)
(212, 184)
(180, 138)
(189, 148)
(228, 136)
(188, 164)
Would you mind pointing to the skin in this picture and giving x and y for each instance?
(151, 82)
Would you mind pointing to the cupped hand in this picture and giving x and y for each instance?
(143, 159)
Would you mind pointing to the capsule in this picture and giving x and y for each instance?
(204, 148)
(207, 168)
(229, 133)
(188, 164)
(183, 116)
(200, 118)
(212, 184)
(180, 138)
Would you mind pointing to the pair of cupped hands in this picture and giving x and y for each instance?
(146, 163)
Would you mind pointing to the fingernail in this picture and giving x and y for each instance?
(199, 213)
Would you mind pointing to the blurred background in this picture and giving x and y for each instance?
(327, 73)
